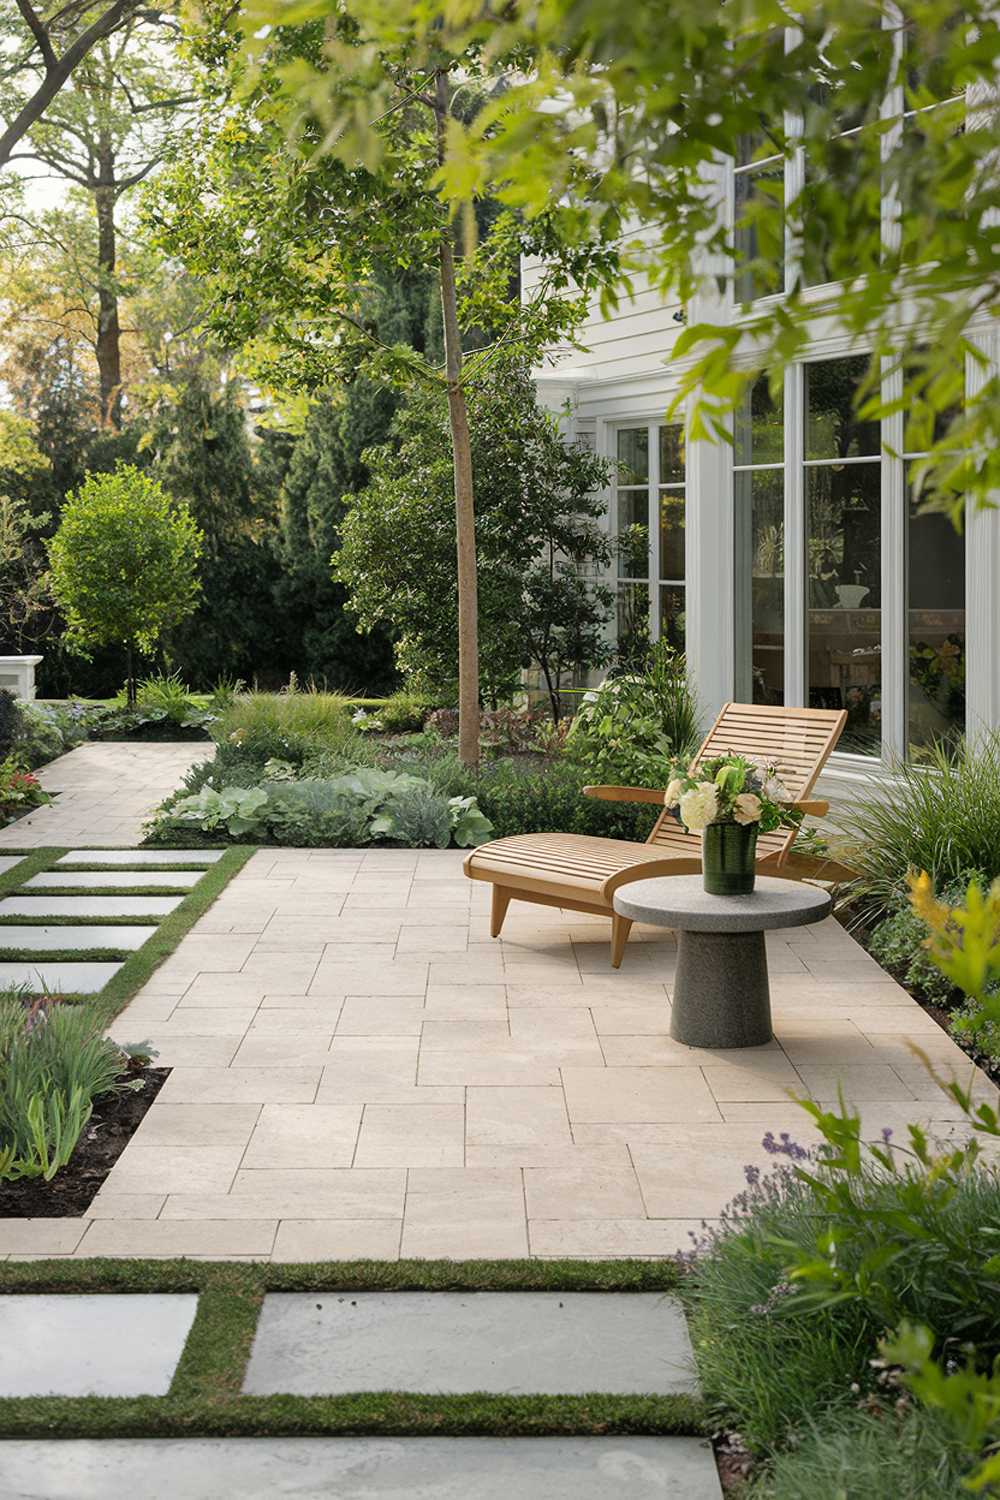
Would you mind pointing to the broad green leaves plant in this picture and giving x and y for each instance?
(234, 808)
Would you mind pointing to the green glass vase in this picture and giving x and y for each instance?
(728, 854)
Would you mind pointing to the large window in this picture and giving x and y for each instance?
(843, 510)
(759, 494)
(650, 526)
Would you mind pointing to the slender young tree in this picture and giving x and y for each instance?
(290, 240)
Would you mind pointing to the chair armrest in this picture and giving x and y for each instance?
(625, 794)
(814, 805)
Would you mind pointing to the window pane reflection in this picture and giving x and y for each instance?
(759, 435)
(833, 429)
(843, 507)
(936, 628)
(672, 534)
(633, 455)
(759, 230)
(761, 497)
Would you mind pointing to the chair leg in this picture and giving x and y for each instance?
(498, 910)
(620, 929)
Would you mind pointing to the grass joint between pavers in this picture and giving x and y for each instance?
(205, 1397)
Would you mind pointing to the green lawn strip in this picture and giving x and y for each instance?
(59, 921)
(140, 965)
(164, 868)
(204, 1397)
(35, 863)
(109, 890)
(41, 956)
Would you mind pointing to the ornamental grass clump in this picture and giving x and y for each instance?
(54, 1063)
(940, 814)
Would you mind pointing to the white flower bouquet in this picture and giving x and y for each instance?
(729, 789)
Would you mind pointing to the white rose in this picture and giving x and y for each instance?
(699, 806)
(746, 808)
(672, 795)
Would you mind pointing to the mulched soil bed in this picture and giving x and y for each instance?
(110, 1128)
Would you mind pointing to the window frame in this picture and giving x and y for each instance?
(654, 487)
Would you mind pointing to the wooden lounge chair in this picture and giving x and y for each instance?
(580, 872)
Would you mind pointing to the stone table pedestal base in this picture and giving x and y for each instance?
(721, 996)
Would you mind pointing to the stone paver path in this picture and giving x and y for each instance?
(107, 789)
(358, 1070)
(423, 1468)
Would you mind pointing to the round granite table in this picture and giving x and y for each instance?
(721, 996)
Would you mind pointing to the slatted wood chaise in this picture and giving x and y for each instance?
(580, 872)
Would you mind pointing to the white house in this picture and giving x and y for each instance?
(791, 565)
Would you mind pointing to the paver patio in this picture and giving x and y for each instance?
(106, 791)
(358, 1070)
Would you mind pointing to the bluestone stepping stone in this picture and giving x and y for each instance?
(61, 1345)
(57, 977)
(8, 861)
(88, 906)
(43, 938)
(140, 857)
(351, 1468)
(94, 879)
(511, 1343)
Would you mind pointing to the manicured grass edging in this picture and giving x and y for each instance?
(34, 863)
(204, 1398)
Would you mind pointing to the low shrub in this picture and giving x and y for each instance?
(791, 1300)
(10, 721)
(54, 1063)
(403, 712)
(348, 811)
(20, 791)
(899, 943)
(941, 815)
(628, 730)
(526, 798)
(285, 726)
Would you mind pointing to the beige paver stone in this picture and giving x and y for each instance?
(193, 1051)
(240, 1086)
(260, 1049)
(459, 1215)
(381, 1015)
(631, 1020)
(291, 1135)
(535, 1027)
(174, 1169)
(608, 1156)
(412, 1135)
(404, 979)
(446, 1001)
(41, 1236)
(761, 1079)
(337, 1239)
(654, 1094)
(225, 990)
(218, 1125)
(511, 1066)
(582, 1193)
(517, 1117)
(824, 1041)
(194, 1020)
(345, 1195)
(306, 1020)
(329, 1005)
(472, 1240)
(876, 1082)
(162, 1237)
(109, 1205)
(647, 1050)
(368, 1069)
(485, 1034)
(613, 1238)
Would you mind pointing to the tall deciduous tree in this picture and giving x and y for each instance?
(42, 46)
(291, 238)
(123, 564)
(105, 133)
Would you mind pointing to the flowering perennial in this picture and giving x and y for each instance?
(729, 789)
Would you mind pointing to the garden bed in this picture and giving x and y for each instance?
(115, 1119)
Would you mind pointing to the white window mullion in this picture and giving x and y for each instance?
(796, 570)
(654, 532)
(895, 658)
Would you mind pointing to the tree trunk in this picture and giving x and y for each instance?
(465, 513)
(109, 359)
(130, 675)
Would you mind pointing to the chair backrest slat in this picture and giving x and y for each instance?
(797, 741)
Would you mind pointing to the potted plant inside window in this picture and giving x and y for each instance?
(729, 800)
